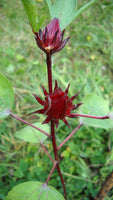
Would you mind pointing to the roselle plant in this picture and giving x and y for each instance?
(56, 103)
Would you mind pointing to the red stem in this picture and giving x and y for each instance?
(46, 152)
(29, 124)
(53, 138)
(49, 70)
(62, 181)
(69, 136)
(90, 116)
(54, 166)
(55, 149)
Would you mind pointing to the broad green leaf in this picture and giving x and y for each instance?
(30, 134)
(65, 10)
(96, 105)
(33, 190)
(31, 11)
(6, 96)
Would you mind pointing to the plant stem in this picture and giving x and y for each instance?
(55, 149)
(49, 70)
(69, 136)
(54, 166)
(91, 116)
(53, 138)
(62, 181)
(46, 152)
(29, 124)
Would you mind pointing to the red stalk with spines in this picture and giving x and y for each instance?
(52, 124)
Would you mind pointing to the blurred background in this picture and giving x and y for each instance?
(87, 64)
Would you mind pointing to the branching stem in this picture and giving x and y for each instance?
(69, 136)
(46, 152)
(90, 116)
(53, 138)
(29, 124)
(54, 166)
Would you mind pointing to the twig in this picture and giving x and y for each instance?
(69, 136)
(46, 152)
(29, 124)
(54, 166)
(91, 116)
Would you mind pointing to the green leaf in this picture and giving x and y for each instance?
(65, 10)
(6, 96)
(33, 190)
(96, 105)
(30, 134)
(31, 11)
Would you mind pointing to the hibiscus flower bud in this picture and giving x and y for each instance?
(57, 105)
(50, 40)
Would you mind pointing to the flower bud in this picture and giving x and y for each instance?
(50, 40)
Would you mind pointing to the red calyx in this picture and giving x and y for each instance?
(57, 105)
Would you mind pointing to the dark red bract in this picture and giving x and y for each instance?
(51, 38)
(57, 105)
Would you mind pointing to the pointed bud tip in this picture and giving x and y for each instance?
(67, 89)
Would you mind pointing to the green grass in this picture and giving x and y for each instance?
(86, 63)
